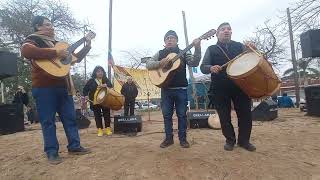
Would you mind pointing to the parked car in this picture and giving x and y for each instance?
(151, 106)
(293, 97)
(303, 106)
(137, 105)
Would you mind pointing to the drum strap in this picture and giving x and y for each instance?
(96, 92)
(224, 52)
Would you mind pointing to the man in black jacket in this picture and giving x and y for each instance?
(224, 89)
(130, 92)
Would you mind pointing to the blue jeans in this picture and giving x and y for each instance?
(169, 99)
(50, 101)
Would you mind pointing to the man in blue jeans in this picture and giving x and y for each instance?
(174, 94)
(52, 93)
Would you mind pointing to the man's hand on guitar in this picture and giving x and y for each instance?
(215, 69)
(88, 43)
(197, 43)
(62, 53)
(164, 62)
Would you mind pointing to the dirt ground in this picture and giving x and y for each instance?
(287, 148)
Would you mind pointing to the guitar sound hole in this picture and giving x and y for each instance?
(168, 67)
(66, 60)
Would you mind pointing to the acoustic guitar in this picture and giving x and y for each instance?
(162, 75)
(60, 67)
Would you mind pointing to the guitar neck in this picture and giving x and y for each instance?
(75, 45)
(181, 53)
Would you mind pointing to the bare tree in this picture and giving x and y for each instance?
(305, 15)
(265, 39)
(132, 58)
(15, 25)
(16, 17)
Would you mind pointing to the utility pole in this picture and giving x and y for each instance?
(294, 61)
(110, 38)
(85, 57)
(194, 95)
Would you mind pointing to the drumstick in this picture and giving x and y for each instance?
(226, 64)
(86, 99)
(255, 51)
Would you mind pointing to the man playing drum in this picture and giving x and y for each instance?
(224, 89)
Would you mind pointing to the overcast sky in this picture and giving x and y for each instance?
(141, 24)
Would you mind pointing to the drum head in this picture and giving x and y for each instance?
(214, 121)
(101, 94)
(243, 64)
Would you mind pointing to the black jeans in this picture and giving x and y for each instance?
(129, 104)
(211, 103)
(100, 111)
(223, 94)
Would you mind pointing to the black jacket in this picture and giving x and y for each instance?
(214, 56)
(91, 87)
(129, 91)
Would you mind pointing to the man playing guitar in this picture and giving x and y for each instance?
(51, 93)
(174, 94)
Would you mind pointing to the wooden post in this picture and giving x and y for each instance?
(2, 93)
(194, 95)
(294, 61)
(85, 57)
(110, 38)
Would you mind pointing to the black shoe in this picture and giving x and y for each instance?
(184, 143)
(228, 147)
(54, 159)
(79, 151)
(248, 146)
(166, 143)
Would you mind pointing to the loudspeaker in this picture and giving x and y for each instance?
(8, 64)
(199, 119)
(313, 100)
(310, 43)
(11, 118)
(127, 124)
(267, 110)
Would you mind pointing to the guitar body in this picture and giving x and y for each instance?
(56, 67)
(161, 76)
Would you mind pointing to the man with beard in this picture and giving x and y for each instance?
(225, 90)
